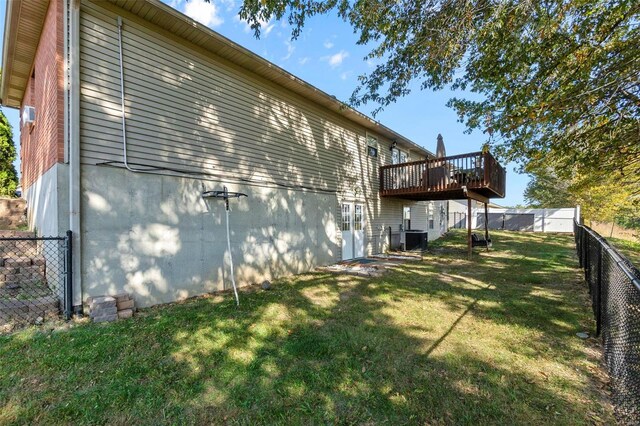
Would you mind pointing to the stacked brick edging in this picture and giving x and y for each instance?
(13, 213)
(125, 305)
(24, 293)
(16, 310)
(23, 274)
(103, 309)
(12, 233)
(110, 308)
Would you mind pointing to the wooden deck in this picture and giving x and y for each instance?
(476, 175)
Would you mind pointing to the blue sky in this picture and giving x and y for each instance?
(326, 55)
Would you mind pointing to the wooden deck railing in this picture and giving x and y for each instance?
(475, 171)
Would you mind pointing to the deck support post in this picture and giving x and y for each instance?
(469, 227)
(486, 225)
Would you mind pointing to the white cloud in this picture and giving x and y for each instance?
(203, 12)
(336, 59)
(267, 27)
(304, 60)
(327, 44)
(231, 5)
(345, 75)
(290, 49)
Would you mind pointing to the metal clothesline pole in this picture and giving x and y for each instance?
(225, 195)
(233, 279)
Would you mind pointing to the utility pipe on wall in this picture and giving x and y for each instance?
(122, 106)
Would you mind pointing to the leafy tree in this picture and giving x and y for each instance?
(546, 190)
(629, 217)
(602, 198)
(8, 175)
(558, 79)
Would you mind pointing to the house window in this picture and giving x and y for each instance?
(372, 146)
(398, 156)
(406, 218)
(395, 156)
(346, 217)
(357, 218)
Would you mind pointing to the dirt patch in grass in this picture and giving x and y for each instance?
(438, 341)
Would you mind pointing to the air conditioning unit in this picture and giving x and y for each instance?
(28, 115)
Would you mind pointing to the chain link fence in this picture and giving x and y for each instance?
(35, 279)
(614, 285)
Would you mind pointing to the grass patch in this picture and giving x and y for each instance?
(630, 249)
(440, 341)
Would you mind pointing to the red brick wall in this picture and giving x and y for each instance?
(42, 144)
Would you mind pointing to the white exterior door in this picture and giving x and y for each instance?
(352, 227)
(358, 230)
(347, 231)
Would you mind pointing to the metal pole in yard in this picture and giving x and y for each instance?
(486, 225)
(469, 227)
(233, 279)
(225, 195)
(598, 294)
(68, 282)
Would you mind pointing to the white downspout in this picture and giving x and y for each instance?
(65, 72)
(74, 147)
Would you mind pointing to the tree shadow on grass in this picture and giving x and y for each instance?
(315, 349)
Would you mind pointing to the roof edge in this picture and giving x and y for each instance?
(6, 47)
(24, 21)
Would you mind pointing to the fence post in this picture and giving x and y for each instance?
(582, 250)
(576, 237)
(68, 285)
(587, 260)
(583, 237)
(599, 292)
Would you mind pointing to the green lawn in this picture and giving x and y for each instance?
(630, 249)
(442, 341)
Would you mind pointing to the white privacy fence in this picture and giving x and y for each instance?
(532, 220)
(536, 220)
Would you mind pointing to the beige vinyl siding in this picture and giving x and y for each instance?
(188, 109)
(197, 112)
